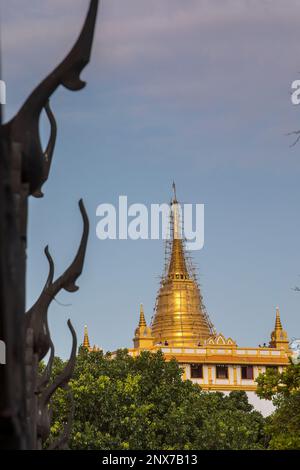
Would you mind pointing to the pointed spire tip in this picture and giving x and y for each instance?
(278, 325)
(86, 341)
(142, 320)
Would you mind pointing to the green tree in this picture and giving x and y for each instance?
(283, 426)
(143, 403)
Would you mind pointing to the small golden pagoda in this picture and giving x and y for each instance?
(279, 337)
(143, 334)
(86, 342)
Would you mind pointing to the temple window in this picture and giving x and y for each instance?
(196, 371)
(222, 372)
(247, 372)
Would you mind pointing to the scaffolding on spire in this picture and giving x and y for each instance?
(180, 316)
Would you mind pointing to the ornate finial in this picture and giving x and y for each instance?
(23, 129)
(142, 321)
(86, 341)
(37, 316)
(278, 325)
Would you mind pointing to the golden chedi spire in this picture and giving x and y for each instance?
(143, 333)
(180, 319)
(177, 265)
(279, 337)
(86, 341)
(278, 325)
(142, 322)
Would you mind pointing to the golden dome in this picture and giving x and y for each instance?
(180, 319)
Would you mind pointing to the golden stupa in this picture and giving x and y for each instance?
(180, 319)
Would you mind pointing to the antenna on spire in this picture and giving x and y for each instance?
(174, 191)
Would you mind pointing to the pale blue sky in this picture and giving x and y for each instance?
(197, 91)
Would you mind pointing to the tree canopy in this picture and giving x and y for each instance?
(283, 426)
(142, 403)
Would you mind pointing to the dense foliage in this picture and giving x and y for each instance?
(143, 403)
(283, 426)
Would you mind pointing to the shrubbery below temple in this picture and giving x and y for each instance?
(143, 403)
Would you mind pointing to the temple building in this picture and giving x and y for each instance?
(181, 329)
